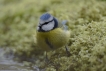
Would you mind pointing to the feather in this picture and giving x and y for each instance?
(65, 27)
(45, 16)
(48, 43)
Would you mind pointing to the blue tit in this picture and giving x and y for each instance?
(50, 35)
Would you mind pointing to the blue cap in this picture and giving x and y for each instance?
(45, 16)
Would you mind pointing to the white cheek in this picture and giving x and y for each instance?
(48, 27)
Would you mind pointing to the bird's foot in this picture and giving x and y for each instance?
(67, 51)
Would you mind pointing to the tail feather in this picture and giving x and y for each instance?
(65, 27)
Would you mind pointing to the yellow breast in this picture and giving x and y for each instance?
(53, 39)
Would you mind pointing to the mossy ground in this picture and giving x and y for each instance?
(87, 23)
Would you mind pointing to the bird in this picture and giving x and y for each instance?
(51, 34)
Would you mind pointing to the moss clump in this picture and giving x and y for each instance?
(87, 23)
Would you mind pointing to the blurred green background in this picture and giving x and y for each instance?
(86, 21)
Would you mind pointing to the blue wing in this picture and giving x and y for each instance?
(48, 43)
(65, 27)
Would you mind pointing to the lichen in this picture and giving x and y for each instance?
(86, 22)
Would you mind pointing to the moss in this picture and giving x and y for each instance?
(86, 21)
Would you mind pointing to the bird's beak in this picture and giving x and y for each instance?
(38, 28)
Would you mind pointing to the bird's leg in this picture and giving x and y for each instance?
(67, 51)
(46, 58)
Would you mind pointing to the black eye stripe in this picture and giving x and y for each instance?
(55, 25)
(40, 25)
(48, 22)
(45, 23)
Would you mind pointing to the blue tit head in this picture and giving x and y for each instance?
(47, 23)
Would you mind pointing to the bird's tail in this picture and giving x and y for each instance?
(64, 22)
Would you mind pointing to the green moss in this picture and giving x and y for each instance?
(87, 23)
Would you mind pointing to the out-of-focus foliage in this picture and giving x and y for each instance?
(86, 21)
